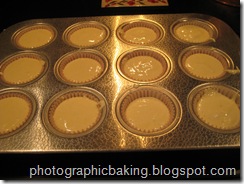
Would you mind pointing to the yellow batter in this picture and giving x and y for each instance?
(192, 33)
(218, 111)
(14, 111)
(35, 38)
(204, 66)
(147, 114)
(22, 70)
(76, 115)
(82, 70)
(140, 35)
(143, 68)
(88, 36)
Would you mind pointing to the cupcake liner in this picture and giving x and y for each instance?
(198, 93)
(14, 58)
(85, 25)
(202, 24)
(222, 57)
(158, 31)
(30, 43)
(53, 104)
(168, 99)
(148, 76)
(17, 127)
(70, 57)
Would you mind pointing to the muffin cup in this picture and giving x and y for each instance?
(202, 24)
(165, 96)
(197, 93)
(222, 57)
(85, 43)
(84, 54)
(157, 30)
(31, 41)
(60, 97)
(12, 92)
(14, 58)
(161, 58)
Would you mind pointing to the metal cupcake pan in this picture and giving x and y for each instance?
(112, 133)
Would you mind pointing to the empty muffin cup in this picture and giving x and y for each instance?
(23, 68)
(17, 109)
(74, 112)
(205, 63)
(80, 67)
(194, 31)
(34, 36)
(148, 111)
(144, 65)
(86, 34)
(216, 107)
(140, 32)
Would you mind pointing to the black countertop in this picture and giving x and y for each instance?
(17, 166)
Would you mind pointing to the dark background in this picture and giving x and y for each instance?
(12, 12)
(16, 166)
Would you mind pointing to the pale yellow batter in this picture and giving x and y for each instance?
(218, 111)
(140, 35)
(143, 68)
(22, 70)
(192, 33)
(14, 112)
(82, 70)
(204, 66)
(75, 115)
(147, 114)
(87, 36)
(35, 38)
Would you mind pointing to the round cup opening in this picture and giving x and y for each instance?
(74, 112)
(144, 65)
(86, 34)
(216, 107)
(148, 111)
(80, 67)
(140, 32)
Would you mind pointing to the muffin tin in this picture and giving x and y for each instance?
(173, 86)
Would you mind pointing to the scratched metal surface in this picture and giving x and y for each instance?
(110, 135)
